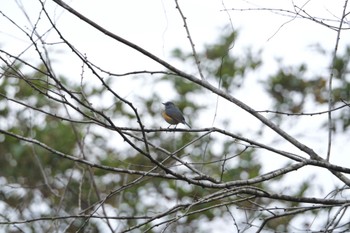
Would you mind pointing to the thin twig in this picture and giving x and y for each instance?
(330, 89)
(195, 55)
(302, 113)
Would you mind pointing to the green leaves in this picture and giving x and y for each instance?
(222, 47)
(289, 89)
(292, 87)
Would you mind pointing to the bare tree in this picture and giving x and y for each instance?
(80, 155)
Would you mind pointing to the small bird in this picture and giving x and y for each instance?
(173, 115)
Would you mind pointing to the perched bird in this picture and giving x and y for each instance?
(173, 115)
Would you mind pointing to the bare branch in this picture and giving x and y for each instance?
(190, 39)
(330, 81)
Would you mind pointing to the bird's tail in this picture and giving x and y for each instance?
(187, 124)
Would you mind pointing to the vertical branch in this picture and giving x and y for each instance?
(191, 41)
(330, 98)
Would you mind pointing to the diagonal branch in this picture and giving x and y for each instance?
(309, 151)
(190, 39)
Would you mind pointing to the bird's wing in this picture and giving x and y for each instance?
(176, 115)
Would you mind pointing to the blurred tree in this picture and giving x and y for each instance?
(79, 156)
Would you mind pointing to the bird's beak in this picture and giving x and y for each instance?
(163, 103)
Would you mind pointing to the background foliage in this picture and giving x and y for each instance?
(77, 155)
